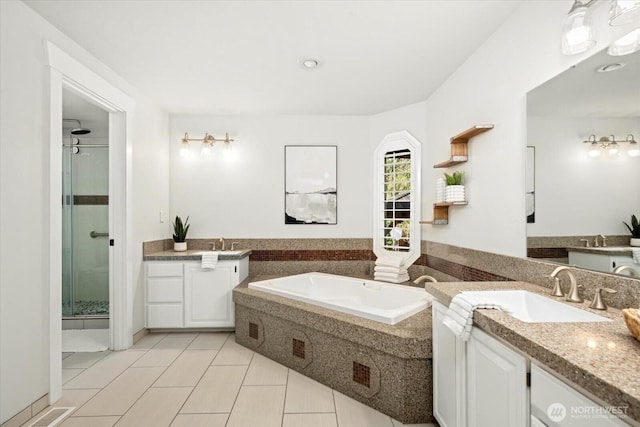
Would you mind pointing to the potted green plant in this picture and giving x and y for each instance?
(634, 228)
(454, 191)
(180, 230)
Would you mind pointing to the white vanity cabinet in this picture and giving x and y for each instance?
(599, 259)
(476, 383)
(182, 295)
(208, 293)
(554, 403)
(164, 293)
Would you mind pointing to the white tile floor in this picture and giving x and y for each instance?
(200, 379)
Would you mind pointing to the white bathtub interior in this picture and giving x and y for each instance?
(382, 302)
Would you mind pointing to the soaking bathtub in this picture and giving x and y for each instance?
(379, 301)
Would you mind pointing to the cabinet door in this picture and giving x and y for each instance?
(208, 295)
(497, 393)
(447, 372)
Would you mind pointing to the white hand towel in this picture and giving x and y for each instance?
(635, 252)
(383, 269)
(209, 260)
(459, 317)
(390, 261)
(391, 277)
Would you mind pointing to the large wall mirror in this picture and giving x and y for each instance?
(583, 190)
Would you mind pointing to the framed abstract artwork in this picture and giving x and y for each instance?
(311, 189)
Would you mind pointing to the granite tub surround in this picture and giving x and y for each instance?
(387, 367)
(601, 358)
(533, 271)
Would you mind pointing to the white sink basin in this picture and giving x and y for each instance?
(533, 308)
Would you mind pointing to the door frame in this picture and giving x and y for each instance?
(65, 72)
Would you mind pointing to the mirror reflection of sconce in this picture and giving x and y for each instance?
(612, 146)
(578, 34)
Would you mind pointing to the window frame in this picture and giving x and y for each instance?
(397, 142)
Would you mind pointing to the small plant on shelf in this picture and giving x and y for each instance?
(180, 230)
(454, 191)
(454, 179)
(634, 228)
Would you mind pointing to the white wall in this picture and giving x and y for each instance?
(491, 87)
(244, 198)
(576, 194)
(24, 285)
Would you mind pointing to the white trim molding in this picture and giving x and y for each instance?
(65, 72)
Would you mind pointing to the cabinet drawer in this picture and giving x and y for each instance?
(164, 316)
(164, 290)
(164, 269)
(558, 404)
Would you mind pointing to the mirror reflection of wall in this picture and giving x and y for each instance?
(579, 197)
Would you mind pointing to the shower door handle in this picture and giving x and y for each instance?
(95, 234)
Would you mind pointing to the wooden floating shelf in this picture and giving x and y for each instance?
(459, 147)
(441, 212)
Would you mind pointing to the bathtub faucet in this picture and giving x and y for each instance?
(420, 280)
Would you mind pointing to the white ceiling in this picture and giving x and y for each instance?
(232, 57)
(581, 91)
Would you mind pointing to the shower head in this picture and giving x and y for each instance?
(79, 130)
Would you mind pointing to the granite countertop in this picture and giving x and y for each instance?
(607, 250)
(602, 358)
(409, 338)
(195, 255)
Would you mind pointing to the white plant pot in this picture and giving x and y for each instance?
(454, 193)
(635, 241)
(179, 246)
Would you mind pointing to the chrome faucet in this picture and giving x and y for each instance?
(222, 248)
(604, 240)
(586, 243)
(597, 302)
(420, 280)
(233, 245)
(573, 295)
(621, 268)
(595, 242)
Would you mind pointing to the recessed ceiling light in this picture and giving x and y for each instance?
(611, 67)
(310, 63)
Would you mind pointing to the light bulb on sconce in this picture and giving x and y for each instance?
(578, 34)
(594, 150)
(624, 12)
(613, 149)
(634, 147)
(185, 150)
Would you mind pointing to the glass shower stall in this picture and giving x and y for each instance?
(85, 224)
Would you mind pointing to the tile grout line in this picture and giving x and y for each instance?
(165, 370)
(335, 407)
(286, 391)
(106, 385)
(240, 388)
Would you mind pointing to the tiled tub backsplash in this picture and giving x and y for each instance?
(355, 257)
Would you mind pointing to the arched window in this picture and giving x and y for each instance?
(397, 197)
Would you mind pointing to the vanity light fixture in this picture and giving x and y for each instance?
(207, 144)
(612, 146)
(624, 12)
(578, 33)
(625, 45)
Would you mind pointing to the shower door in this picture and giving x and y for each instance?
(85, 225)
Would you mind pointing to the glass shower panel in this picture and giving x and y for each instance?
(67, 237)
(90, 227)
